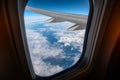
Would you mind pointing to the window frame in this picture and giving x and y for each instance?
(90, 40)
(78, 65)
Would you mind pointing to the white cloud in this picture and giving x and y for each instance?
(59, 26)
(45, 69)
(35, 19)
(75, 39)
(76, 58)
(39, 50)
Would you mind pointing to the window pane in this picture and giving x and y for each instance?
(55, 34)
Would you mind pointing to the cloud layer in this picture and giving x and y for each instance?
(41, 49)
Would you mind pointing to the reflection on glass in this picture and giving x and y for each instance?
(55, 43)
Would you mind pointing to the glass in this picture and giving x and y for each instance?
(55, 46)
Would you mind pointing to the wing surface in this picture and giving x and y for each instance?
(79, 20)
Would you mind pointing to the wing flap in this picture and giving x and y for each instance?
(54, 20)
(76, 27)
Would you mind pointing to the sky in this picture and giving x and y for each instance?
(67, 6)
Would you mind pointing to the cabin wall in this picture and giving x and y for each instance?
(108, 52)
(9, 64)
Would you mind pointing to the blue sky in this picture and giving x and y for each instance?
(68, 6)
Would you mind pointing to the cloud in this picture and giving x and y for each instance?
(74, 38)
(39, 49)
(76, 58)
(45, 69)
(39, 45)
(59, 26)
(32, 20)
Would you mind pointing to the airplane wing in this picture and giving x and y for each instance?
(79, 20)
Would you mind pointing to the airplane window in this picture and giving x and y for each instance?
(55, 31)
